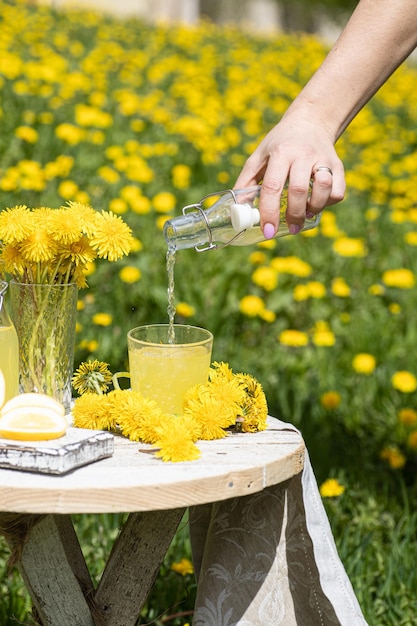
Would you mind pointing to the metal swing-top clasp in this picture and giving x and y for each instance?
(199, 208)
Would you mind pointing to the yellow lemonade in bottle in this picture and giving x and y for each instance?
(165, 373)
(9, 363)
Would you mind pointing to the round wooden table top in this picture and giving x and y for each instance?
(134, 479)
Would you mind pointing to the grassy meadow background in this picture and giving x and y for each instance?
(142, 120)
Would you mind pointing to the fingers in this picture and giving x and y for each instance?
(252, 172)
(306, 176)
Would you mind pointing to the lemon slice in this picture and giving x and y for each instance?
(33, 423)
(30, 400)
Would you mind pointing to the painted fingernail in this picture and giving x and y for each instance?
(294, 229)
(309, 215)
(269, 231)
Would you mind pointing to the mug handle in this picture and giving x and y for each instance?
(115, 379)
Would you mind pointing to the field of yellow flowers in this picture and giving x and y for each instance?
(141, 120)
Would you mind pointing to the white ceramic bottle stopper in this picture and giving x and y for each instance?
(244, 216)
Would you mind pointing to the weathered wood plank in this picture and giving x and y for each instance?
(133, 565)
(55, 574)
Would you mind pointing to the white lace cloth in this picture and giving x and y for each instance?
(269, 559)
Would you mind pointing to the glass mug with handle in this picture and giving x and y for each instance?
(165, 361)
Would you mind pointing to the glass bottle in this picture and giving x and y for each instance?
(224, 218)
(9, 352)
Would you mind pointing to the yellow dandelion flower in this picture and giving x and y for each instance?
(181, 175)
(350, 247)
(38, 247)
(404, 381)
(220, 370)
(68, 189)
(408, 417)
(164, 202)
(27, 133)
(265, 277)
(78, 252)
(130, 274)
(394, 457)
(183, 567)
(137, 245)
(257, 257)
(102, 319)
(340, 288)
(70, 133)
(376, 290)
(251, 305)
(293, 338)
(316, 289)
(291, 265)
(323, 337)
(412, 440)
(364, 363)
(192, 426)
(63, 227)
(118, 205)
(137, 416)
(254, 407)
(112, 238)
(401, 278)
(301, 293)
(184, 309)
(82, 214)
(212, 415)
(331, 488)
(141, 205)
(11, 257)
(92, 376)
(15, 224)
(78, 277)
(411, 238)
(330, 400)
(394, 308)
(91, 410)
(175, 443)
(229, 392)
(108, 174)
(268, 316)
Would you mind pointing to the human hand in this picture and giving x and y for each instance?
(300, 153)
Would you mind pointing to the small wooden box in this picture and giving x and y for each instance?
(79, 446)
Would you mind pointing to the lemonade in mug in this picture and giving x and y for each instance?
(163, 367)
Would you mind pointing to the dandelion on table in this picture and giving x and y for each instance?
(93, 376)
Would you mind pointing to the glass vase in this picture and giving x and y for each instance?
(44, 317)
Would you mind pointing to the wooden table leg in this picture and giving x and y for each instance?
(133, 565)
(55, 573)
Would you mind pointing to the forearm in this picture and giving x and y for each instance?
(378, 37)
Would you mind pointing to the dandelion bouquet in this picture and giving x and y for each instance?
(47, 252)
(54, 246)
